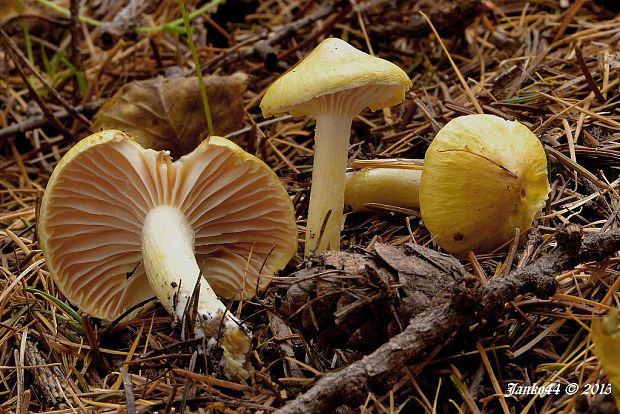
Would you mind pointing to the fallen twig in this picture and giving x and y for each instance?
(33, 93)
(129, 396)
(125, 21)
(38, 122)
(280, 330)
(263, 47)
(465, 303)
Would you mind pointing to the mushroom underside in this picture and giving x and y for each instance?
(94, 210)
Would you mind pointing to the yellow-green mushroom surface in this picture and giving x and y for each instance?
(483, 177)
(334, 83)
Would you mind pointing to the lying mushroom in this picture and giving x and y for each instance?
(119, 224)
(334, 83)
(483, 177)
(394, 186)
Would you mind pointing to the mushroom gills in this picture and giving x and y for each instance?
(217, 212)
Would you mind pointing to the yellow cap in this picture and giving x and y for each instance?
(483, 177)
(332, 67)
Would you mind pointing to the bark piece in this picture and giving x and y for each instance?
(467, 301)
(449, 17)
(48, 379)
(360, 299)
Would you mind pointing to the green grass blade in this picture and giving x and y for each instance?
(68, 309)
(65, 12)
(201, 82)
(173, 27)
(79, 75)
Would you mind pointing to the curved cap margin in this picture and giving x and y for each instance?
(333, 66)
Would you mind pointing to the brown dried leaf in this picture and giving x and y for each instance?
(343, 296)
(168, 114)
(8, 10)
(421, 270)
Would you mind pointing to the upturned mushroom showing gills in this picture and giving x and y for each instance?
(483, 177)
(119, 224)
(334, 83)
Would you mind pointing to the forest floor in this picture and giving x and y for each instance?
(439, 335)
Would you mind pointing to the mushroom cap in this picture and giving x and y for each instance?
(335, 66)
(90, 222)
(483, 177)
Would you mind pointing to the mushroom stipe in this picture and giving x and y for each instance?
(112, 208)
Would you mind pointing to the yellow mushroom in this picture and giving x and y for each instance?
(334, 83)
(483, 177)
(120, 224)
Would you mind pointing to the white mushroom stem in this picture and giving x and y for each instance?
(328, 181)
(334, 114)
(398, 187)
(170, 264)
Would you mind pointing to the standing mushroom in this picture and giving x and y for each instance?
(120, 224)
(334, 83)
